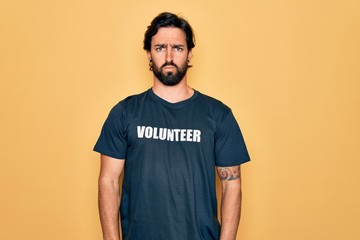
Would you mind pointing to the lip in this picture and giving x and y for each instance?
(168, 67)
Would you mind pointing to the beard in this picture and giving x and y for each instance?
(170, 78)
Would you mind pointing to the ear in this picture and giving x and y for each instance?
(190, 55)
(148, 53)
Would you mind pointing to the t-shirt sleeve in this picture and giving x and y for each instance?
(230, 148)
(112, 141)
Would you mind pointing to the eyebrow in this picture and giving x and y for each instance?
(172, 45)
(160, 45)
(176, 45)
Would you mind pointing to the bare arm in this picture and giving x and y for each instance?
(109, 198)
(231, 201)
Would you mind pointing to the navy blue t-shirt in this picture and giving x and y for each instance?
(170, 152)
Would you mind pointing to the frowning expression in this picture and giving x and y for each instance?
(169, 55)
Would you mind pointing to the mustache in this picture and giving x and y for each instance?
(171, 63)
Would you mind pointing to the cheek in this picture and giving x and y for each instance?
(181, 61)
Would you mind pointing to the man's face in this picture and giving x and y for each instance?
(169, 55)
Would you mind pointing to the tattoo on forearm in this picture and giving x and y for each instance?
(228, 173)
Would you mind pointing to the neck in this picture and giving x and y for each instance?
(173, 94)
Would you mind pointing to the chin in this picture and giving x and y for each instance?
(169, 73)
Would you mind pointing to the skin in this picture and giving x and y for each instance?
(169, 44)
(109, 197)
(230, 209)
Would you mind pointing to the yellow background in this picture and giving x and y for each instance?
(289, 69)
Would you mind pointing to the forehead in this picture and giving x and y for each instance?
(170, 35)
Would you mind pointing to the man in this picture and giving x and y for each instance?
(168, 140)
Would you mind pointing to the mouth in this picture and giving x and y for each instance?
(168, 67)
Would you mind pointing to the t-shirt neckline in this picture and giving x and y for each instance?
(173, 105)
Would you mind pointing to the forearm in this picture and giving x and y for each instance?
(230, 213)
(109, 202)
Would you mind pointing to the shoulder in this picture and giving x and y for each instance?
(123, 110)
(129, 102)
(215, 105)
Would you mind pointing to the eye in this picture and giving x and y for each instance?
(158, 49)
(179, 49)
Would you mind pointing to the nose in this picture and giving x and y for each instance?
(169, 54)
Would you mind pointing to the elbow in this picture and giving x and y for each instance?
(106, 183)
(232, 189)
